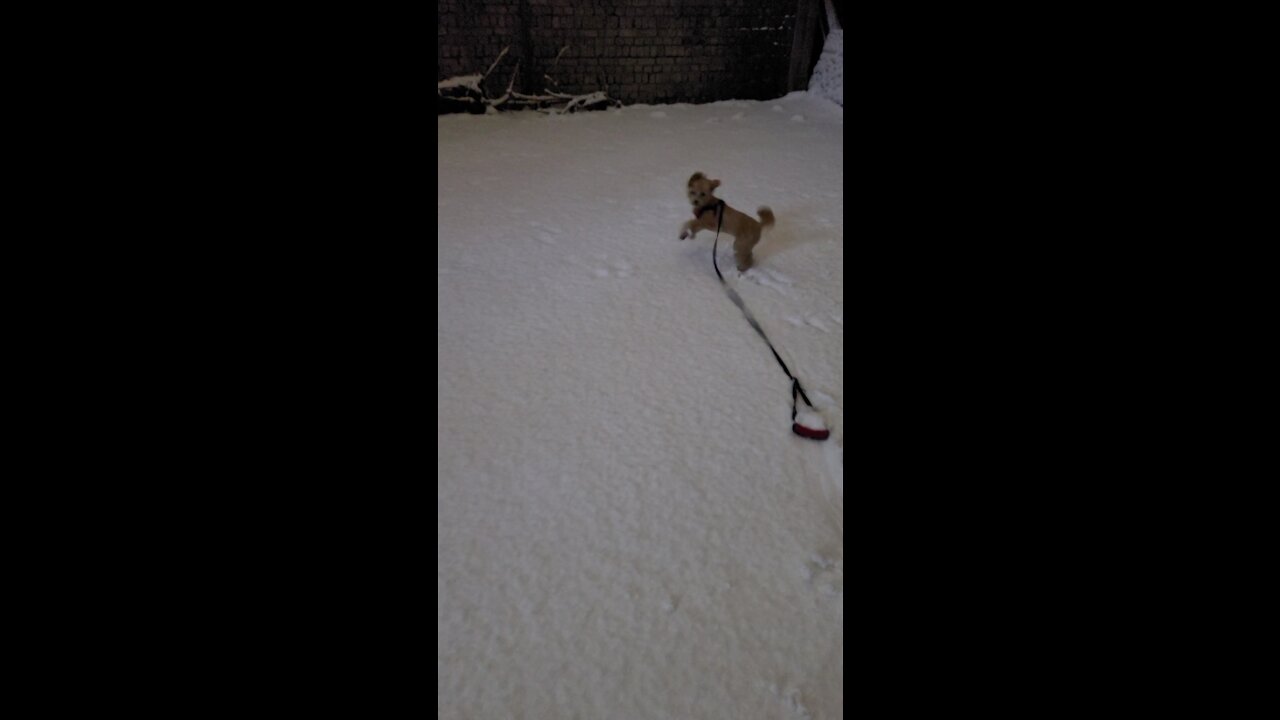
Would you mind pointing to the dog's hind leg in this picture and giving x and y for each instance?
(742, 249)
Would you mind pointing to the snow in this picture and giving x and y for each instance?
(828, 75)
(627, 526)
(810, 419)
(591, 98)
(470, 81)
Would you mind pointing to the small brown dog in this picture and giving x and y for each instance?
(744, 229)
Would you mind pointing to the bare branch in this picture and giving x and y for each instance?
(495, 62)
(557, 60)
(514, 74)
(547, 76)
(507, 95)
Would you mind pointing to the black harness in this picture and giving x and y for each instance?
(713, 206)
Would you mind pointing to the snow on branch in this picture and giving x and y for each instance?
(592, 101)
(467, 81)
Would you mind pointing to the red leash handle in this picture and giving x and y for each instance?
(810, 433)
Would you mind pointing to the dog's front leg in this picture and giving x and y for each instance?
(688, 230)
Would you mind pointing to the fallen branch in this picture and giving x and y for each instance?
(466, 93)
(460, 94)
(593, 101)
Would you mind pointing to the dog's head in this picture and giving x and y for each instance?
(702, 190)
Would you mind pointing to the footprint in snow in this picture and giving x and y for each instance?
(778, 276)
(621, 268)
(791, 698)
(760, 278)
(826, 572)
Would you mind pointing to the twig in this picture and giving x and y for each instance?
(547, 75)
(557, 60)
(495, 62)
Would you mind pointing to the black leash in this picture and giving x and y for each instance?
(798, 429)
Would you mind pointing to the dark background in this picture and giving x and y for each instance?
(649, 51)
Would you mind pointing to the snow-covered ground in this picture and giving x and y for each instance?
(627, 527)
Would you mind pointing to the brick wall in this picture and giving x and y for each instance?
(652, 51)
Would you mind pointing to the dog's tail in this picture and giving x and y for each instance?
(766, 216)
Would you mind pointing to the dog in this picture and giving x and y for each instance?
(707, 215)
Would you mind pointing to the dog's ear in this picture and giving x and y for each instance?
(715, 184)
(696, 176)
